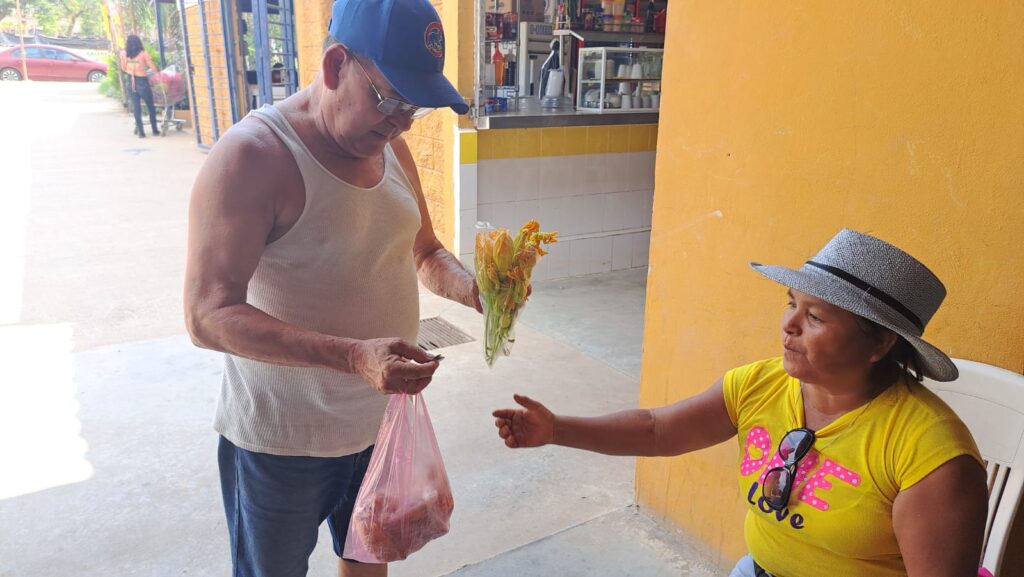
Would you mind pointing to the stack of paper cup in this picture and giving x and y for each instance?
(554, 86)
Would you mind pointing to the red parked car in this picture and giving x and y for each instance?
(49, 63)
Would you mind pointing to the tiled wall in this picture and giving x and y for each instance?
(601, 205)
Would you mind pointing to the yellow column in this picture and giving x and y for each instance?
(782, 123)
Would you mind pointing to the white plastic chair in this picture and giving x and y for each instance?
(990, 401)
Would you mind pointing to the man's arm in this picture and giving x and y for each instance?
(437, 268)
(233, 210)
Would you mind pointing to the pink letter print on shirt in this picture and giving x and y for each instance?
(818, 481)
(760, 438)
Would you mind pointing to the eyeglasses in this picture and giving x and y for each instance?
(393, 106)
(778, 482)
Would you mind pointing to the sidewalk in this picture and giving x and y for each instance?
(109, 434)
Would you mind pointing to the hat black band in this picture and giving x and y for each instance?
(873, 291)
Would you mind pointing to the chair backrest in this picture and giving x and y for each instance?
(990, 401)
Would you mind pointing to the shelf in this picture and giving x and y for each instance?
(602, 36)
(607, 80)
(618, 110)
(501, 41)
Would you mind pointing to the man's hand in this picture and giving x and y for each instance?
(388, 365)
(520, 428)
(475, 298)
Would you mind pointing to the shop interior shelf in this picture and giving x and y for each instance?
(608, 80)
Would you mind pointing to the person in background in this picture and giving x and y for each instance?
(849, 466)
(137, 65)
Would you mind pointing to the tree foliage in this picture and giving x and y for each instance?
(66, 17)
(7, 8)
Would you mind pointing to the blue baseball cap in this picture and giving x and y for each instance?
(405, 40)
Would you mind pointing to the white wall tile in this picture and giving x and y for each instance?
(647, 210)
(641, 171)
(631, 209)
(495, 182)
(616, 215)
(622, 251)
(493, 212)
(525, 172)
(589, 213)
(646, 162)
(556, 214)
(641, 249)
(581, 176)
(466, 198)
(621, 171)
(591, 255)
(596, 167)
(467, 231)
(522, 212)
(552, 178)
(467, 261)
(556, 263)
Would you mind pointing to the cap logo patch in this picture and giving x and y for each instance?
(433, 39)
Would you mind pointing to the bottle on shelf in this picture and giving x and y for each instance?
(510, 25)
(649, 24)
(510, 68)
(498, 59)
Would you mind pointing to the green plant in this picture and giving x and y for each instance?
(110, 86)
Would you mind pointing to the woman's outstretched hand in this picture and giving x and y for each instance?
(531, 426)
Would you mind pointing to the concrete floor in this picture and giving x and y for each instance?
(105, 438)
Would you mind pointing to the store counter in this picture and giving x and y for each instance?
(531, 115)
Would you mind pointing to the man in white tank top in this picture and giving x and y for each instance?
(308, 231)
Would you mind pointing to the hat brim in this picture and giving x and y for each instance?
(424, 89)
(935, 364)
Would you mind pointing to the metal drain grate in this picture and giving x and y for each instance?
(437, 333)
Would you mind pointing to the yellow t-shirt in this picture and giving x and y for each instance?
(839, 519)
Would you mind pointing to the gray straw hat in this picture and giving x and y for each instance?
(874, 279)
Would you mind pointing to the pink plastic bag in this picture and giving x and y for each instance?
(405, 500)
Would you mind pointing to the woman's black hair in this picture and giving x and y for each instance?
(899, 364)
(132, 46)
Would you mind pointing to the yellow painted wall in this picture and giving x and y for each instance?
(566, 141)
(207, 91)
(311, 19)
(782, 123)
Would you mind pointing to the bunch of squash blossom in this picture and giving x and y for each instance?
(503, 269)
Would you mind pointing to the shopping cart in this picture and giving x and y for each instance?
(168, 89)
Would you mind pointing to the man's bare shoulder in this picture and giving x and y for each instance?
(248, 159)
(250, 142)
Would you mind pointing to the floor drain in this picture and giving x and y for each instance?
(437, 333)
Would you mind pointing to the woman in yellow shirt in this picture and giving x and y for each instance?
(849, 466)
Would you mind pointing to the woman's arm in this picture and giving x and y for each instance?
(694, 423)
(940, 521)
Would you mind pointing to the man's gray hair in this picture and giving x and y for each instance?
(331, 41)
(328, 42)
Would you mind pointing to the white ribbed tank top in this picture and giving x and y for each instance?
(346, 269)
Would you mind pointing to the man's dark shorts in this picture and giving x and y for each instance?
(275, 506)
